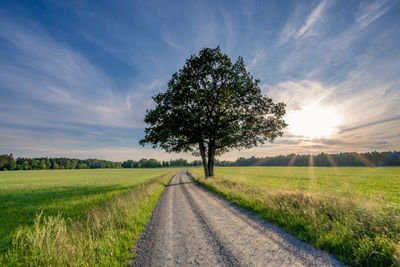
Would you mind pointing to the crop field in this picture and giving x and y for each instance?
(51, 217)
(352, 212)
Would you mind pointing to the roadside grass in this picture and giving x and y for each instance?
(354, 213)
(88, 228)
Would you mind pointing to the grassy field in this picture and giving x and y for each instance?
(66, 217)
(352, 212)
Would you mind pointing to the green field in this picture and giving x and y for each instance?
(67, 198)
(352, 212)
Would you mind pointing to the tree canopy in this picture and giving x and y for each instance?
(211, 106)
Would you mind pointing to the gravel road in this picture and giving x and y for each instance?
(192, 226)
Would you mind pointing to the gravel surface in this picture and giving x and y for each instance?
(192, 226)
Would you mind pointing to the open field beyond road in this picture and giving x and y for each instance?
(87, 216)
(352, 212)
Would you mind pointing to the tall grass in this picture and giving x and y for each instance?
(105, 237)
(24, 194)
(356, 230)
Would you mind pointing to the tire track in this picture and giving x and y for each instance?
(192, 226)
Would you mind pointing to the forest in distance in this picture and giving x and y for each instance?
(369, 159)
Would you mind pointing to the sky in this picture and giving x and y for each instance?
(76, 77)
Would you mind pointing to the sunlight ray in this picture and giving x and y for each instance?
(363, 160)
(292, 160)
(311, 173)
(331, 161)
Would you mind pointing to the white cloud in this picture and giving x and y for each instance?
(368, 13)
(312, 19)
(292, 29)
(57, 82)
(171, 42)
(57, 143)
(259, 55)
(350, 62)
(369, 117)
(299, 93)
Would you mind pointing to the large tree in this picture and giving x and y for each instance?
(211, 106)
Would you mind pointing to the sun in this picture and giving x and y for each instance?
(313, 121)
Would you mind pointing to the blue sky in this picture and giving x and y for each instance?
(77, 76)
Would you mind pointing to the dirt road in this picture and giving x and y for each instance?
(192, 226)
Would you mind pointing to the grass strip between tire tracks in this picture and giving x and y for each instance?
(105, 238)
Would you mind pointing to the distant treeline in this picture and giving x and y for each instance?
(152, 163)
(7, 162)
(390, 158)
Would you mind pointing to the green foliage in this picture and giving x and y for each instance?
(71, 193)
(152, 163)
(104, 237)
(388, 158)
(8, 162)
(212, 105)
(352, 212)
(143, 163)
(81, 166)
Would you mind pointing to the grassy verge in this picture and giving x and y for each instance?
(357, 230)
(70, 193)
(104, 237)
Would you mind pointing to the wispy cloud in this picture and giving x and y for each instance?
(369, 12)
(55, 79)
(312, 19)
(260, 55)
(296, 29)
(84, 84)
(368, 118)
(369, 124)
(299, 93)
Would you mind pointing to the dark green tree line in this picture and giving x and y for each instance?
(371, 159)
(387, 158)
(7, 162)
(152, 163)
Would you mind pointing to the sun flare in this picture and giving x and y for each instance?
(313, 121)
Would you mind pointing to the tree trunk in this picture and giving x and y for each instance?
(211, 158)
(211, 166)
(203, 158)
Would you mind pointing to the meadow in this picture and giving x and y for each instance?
(352, 212)
(66, 217)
